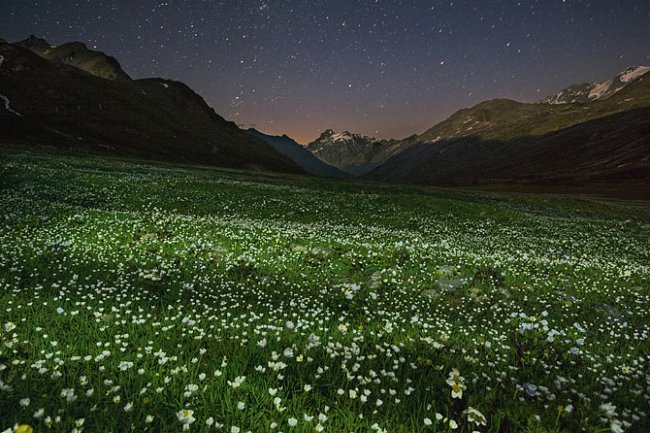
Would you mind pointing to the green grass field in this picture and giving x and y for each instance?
(138, 297)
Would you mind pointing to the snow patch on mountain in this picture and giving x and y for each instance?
(341, 136)
(632, 74)
(330, 136)
(600, 89)
(8, 106)
(588, 92)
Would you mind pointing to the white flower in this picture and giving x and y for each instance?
(9, 326)
(453, 424)
(292, 422)
(455, 380)
(616, 426)
(457, 390)
(609, 409)
(474, 416)
(209, 422)
(148, 419)
(427, 421)
(241, 405)
(237, 382)
(185, 416)
(234, 429)
(68, 394)
(25, 402)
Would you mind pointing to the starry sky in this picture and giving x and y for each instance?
(384, 68)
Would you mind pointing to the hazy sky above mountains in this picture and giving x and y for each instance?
(382, 68)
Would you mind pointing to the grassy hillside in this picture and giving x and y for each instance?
(504, 119)
(596, 154)
(508, 142)
(146, 297)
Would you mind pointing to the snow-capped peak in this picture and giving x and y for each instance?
(588, 92)
(341, 136)
(330, 136)
(631, 74)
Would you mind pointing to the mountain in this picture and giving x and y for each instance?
(355, 154)
(587, 92)
(78, 55)
(50, 102)
(298, 154)
(609, 150)
(504, 141)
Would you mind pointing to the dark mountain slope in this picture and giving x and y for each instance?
(53, 103)
(299, 155)
(615, 148)
(509, 140)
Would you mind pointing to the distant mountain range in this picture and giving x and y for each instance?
(605, 137)
(588, 92)
(355, 154)
(591, 132)
(75, 98)
(298, 154)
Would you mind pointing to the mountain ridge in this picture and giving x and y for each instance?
(492, 120)
(299, 154)
(589, 91)
(64, 106)
(509, 133)
(79, 55)
(355, 154)
(73, 97)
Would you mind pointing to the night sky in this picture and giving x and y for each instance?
(382, 68)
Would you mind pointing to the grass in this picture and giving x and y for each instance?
(131, 292)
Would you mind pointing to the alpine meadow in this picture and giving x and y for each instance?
(162, 298)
